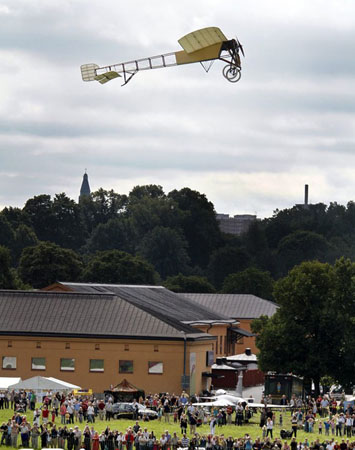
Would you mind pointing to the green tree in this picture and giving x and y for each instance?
(249, 281)
(46, 263)
(115, 234)
(149, 190)
(39, 211)
(343, 309)
(114, 266)
(189, 284)
(108, 205)
(7, 276)
(166, 249)
(7, 235)
(199, 224)
(15, 216)
(303, 336)
(68, 229)
(24, 237)
(149, 212)
(224, 261)
(301, 246)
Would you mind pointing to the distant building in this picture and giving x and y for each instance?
(237, 225)
(243, 308)
(85, 187)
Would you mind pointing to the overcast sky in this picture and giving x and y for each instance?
(250, 146)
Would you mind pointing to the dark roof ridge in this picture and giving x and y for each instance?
(177, 324)
(78, 283)
(58, 293)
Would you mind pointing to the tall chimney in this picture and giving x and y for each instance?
(306, 194)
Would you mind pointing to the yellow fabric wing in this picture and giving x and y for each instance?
(200, 39)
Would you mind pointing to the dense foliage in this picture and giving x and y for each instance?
(313, 332)
(166, 236)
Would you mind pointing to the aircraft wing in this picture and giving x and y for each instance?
(199, 39)
(262, 405)
(217, 403)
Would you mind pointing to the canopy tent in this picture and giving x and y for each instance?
(64, 383)
(42, 384)
(125, 386)
(125, 391)
(5, 382)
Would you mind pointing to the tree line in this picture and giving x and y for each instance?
(173, 239)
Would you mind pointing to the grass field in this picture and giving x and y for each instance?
(252, 428)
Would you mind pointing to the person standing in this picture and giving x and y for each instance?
(87, 438)
(95, 441)
(14, 434)
(25, 434)
(213, 422)
(44, 436)
(35, 433)
(70, 439)
(54, 437)
(91, 413)
(269, 427)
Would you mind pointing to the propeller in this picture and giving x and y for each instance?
(240, 46)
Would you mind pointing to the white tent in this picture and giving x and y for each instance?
(5, 382)
(64, 383)
(42, 385)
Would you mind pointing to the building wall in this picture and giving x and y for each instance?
(236, 225)
(246, 342)
(170, 353)
(220, 346)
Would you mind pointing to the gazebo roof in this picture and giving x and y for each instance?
(125, 386)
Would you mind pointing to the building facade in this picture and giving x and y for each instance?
(237, 224)
(96, 340)
(243, 308)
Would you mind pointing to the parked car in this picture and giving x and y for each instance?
(127, 411)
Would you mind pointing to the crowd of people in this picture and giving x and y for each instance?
(68, 422)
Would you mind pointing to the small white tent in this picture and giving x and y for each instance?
(5, 382)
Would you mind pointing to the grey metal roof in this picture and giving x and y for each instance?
(86, 315)
(235, 306)
(156, 300)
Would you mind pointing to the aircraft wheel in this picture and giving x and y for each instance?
(232, 73)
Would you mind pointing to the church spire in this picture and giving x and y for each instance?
(85, 188)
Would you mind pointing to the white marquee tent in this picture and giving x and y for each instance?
(41, 385)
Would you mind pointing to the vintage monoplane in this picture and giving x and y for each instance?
(203, 46)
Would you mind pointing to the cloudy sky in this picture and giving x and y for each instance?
(250, 146)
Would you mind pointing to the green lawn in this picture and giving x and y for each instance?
(252, 428)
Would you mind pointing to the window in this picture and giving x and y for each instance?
(67, 345)
(38, 345)
(96, 365)
(155, 367)
(125, 366)
(156, 348)
(97, 346)
(9, 343)
(209, 358)
(67, 364)
(38, 364)
(126, 347)
(9, 362)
